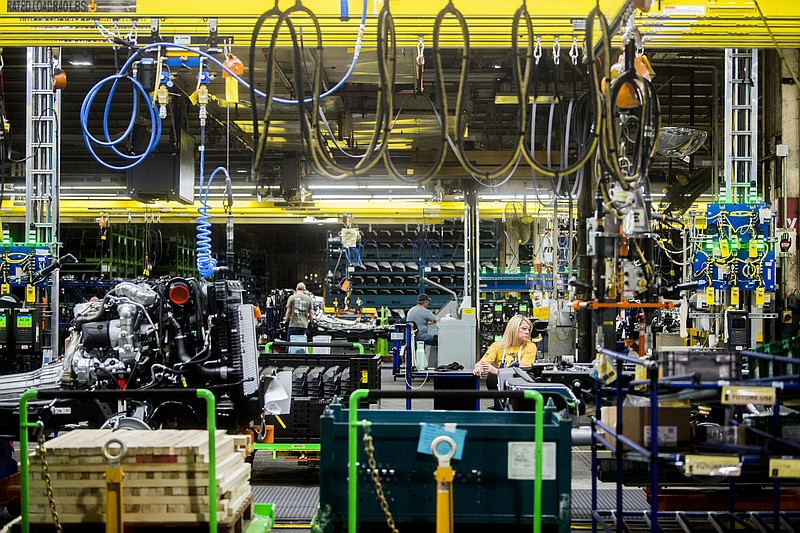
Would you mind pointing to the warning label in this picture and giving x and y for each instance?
(50, 6)
(70, 6)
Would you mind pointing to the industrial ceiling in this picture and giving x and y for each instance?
(687, 81)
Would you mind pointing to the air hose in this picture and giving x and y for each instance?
(205, 262)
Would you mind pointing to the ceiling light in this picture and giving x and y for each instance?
(680, 142)
(511, 99)
(81, 62)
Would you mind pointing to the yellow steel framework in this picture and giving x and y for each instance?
(670, 23)
(674, 24)
(279, 212)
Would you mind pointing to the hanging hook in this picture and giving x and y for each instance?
(133, 34)
(537, 50)
(556, 51)
(573, 51)
(420, 88)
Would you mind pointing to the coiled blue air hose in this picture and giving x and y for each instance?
(205, 262)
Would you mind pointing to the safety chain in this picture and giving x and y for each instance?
(42, 452)
(369, 447)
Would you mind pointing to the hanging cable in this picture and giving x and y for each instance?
(356, 53)
(593, 93)
(323, 161)
(260, 137)
(522, 76)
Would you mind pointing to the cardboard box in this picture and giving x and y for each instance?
(673, 425)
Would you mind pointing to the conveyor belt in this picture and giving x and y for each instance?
(298, 504)
(295, 505)
(633, 499)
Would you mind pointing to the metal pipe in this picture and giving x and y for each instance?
(471, 202)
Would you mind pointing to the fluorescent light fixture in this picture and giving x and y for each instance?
(335, 187)
(401, 197)
(368, 197)
(339, 187)
(275, 126)
(89, 187)
(511, 99)
(93, 197)
(81, 62)
(315, 220)
(354, 197)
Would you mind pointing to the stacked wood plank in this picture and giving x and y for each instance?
(166, 476)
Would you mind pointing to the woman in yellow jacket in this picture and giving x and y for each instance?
(514, 349)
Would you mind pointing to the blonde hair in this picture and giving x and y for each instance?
(511, 334)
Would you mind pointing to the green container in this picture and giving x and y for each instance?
(484, 494)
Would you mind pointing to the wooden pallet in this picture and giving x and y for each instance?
(166, 477)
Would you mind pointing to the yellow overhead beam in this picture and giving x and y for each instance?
(671, 23)
(268, 211)
(71, 23)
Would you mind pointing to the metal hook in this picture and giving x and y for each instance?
(573, 51)
(556, 51)
(537, 50)
(421, 51)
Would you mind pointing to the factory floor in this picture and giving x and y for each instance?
(294, 488)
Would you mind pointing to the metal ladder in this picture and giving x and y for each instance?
(42, 178)
(741, 126)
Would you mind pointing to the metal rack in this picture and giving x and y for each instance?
(724, 521)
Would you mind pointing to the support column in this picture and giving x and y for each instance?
(790, 135)
(584, 318)
(474, 263)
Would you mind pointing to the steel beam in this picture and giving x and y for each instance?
(675, 24)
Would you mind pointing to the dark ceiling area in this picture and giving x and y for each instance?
(688, 85)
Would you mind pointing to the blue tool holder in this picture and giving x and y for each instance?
(733, 223)
(19, 261)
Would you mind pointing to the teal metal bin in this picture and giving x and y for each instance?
(485, 489)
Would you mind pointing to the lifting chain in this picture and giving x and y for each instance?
(42, 452)
(369, 447)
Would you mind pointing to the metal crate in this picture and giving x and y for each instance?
(710, 364)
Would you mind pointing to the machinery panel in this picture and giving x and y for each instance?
(735, 249)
